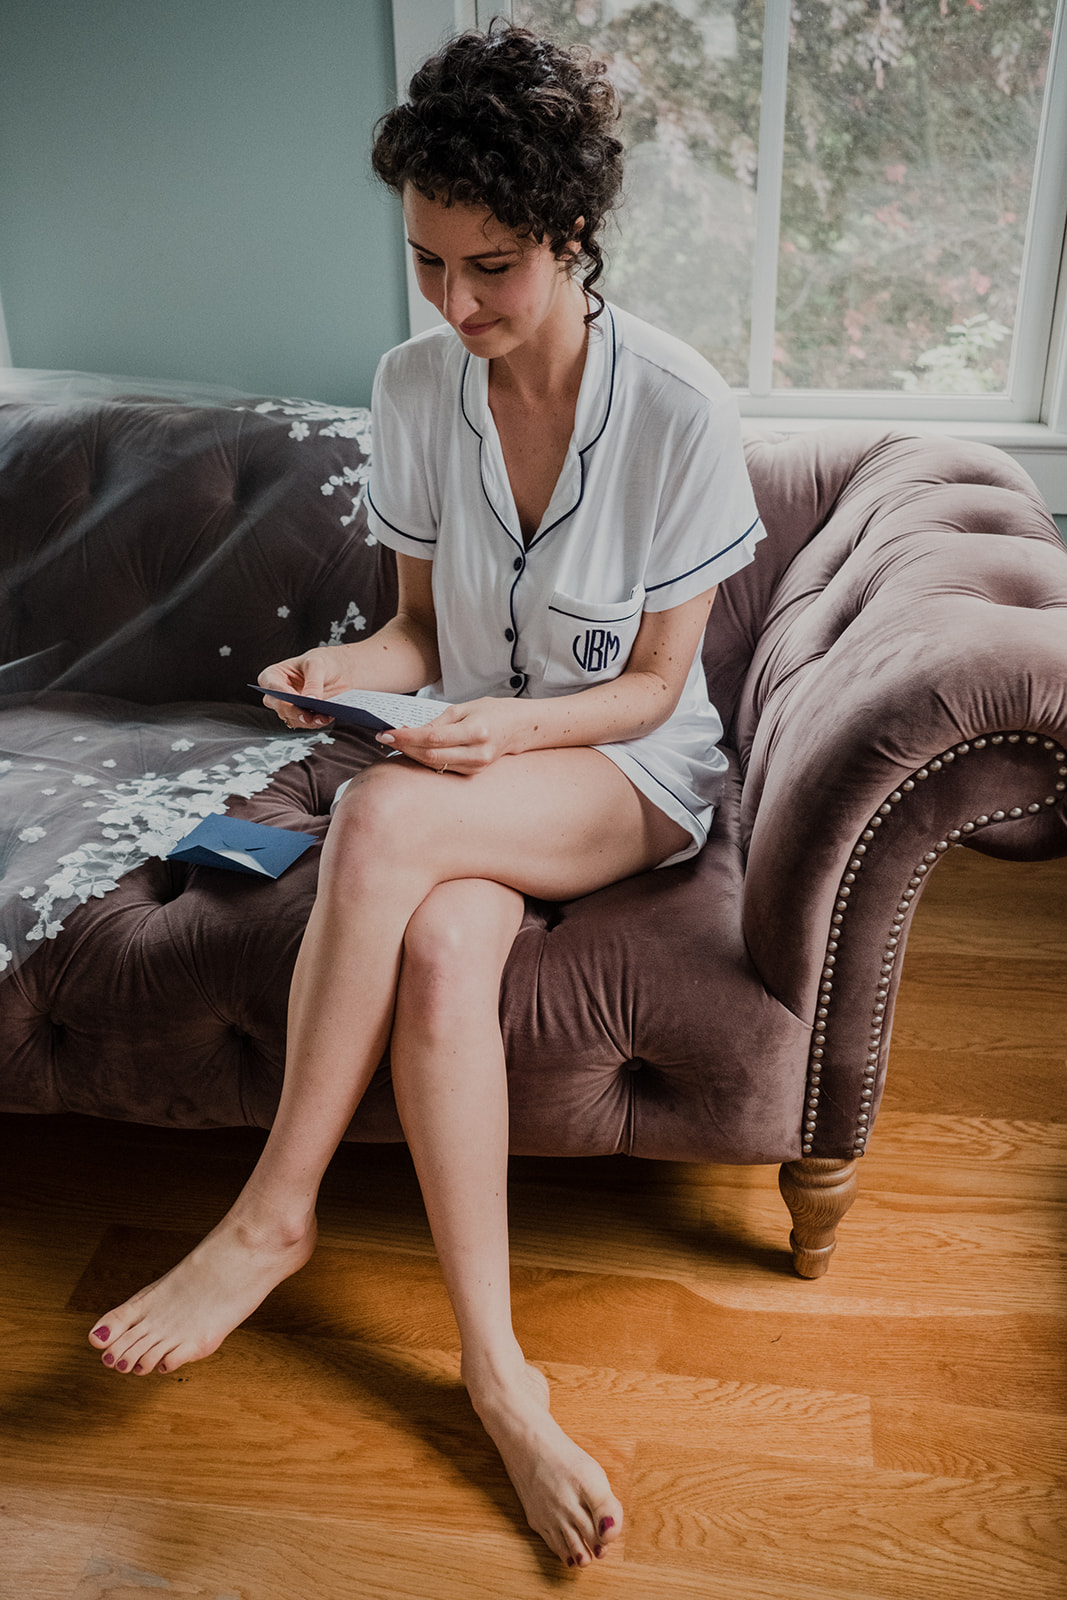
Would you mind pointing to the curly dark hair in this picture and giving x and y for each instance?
(515, 123)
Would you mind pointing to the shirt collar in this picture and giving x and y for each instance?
(590, 419)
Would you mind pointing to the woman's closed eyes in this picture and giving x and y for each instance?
(490, 272)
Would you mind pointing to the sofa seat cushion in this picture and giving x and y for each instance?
(633, 1018)
(91, 787)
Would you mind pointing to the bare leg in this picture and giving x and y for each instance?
(554, 824)
(340, 1013)
(451, 1090)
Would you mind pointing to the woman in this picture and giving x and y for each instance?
(564, 487)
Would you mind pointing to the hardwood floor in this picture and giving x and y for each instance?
(895, 1430)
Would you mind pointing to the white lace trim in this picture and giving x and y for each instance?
(146, 817)
(341, 422)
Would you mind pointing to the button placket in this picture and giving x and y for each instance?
(517, 680)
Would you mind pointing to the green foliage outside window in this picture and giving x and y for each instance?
(911, 130)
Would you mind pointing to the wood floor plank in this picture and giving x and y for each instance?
(738, 1417)
(1014, 1360)
(46, 1541)
(39, 1269)
(945, 1248)
(316, 1425)
(1012, 1081)
(897, 1535)
(1015, 910)
(961, 996)
(203, 1552)
(807, 1338)
(1017, 1159)
(969, 1441)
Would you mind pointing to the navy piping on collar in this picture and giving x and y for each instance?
(401, 531)
(701, 565)
(581, 453)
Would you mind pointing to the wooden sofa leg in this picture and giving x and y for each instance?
(818, 1194)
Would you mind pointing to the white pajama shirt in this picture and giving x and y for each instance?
(653, 506)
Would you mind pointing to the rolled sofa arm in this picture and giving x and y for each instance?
(911, 699)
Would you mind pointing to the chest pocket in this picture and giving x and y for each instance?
(589, 642)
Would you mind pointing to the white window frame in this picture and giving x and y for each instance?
(5, 348)
(1030, 422)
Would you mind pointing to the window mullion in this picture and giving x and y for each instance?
(1044, 234)
(771, 158)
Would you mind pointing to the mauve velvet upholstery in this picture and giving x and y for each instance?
(892, 673)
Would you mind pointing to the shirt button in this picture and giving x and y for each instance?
(518, 563)
(516, 680)
(509, 634)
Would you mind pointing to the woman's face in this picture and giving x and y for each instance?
(495, 288)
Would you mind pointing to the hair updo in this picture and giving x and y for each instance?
(517, 124)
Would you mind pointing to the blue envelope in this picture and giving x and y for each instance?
(239, 846)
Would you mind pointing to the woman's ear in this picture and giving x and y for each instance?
(568, 256)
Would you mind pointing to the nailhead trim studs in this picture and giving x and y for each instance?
(900, 915)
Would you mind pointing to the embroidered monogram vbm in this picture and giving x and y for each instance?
(595, 649)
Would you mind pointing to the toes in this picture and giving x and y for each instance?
(113, 1330)
(108, 1332)
(125, 1345)
(608, 1523)
(141, 1355)
(571, 1544)
(118, 1357)
(583, 1545)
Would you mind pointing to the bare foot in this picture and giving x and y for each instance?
(186, 1314)
(564, 1492)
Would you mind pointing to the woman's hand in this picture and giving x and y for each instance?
(466, 738)
(318, 673)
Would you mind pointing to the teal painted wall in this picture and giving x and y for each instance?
(185, 191)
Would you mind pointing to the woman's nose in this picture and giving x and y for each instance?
(459, 299)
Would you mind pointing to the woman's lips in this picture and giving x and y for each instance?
(472, 329)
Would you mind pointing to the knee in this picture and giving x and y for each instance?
(432, 963)
(376, 821)
(460, 936)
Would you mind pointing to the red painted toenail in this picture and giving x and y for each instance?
(103, 1334)
(605, 1524)
(120, 1366)
(599, 1551)
(162, 1367)
(109, 1359)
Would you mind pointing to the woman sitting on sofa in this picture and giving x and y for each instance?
(564, 487)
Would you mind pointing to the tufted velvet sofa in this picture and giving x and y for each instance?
(892, 674)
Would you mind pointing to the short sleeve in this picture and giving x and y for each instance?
(400, 502)
(708, 525)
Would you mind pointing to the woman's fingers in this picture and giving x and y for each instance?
(453, 740)
(300, 675)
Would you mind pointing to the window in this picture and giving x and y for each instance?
(852, 207)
